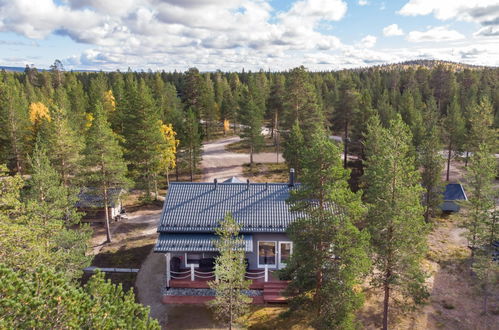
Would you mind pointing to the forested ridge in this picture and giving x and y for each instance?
(402, 125)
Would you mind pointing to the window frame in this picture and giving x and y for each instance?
(258, 254)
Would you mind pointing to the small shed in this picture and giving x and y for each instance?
(91, 203)
(453, 194)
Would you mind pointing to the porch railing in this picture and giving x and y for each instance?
(194, 274)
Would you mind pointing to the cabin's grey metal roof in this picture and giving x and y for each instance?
(454, 192)
(194, 243)
(199, 207)
(92, 198)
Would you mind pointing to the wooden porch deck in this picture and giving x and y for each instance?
(272, 289)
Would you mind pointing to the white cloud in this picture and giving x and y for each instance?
(436, 34)
(368, 41)
(363, 2)
(392, 30)
(483, 12)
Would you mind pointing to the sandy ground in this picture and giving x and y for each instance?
(220, 164)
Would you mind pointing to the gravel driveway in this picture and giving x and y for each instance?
(220, 164)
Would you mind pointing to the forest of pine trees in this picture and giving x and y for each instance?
(405, 125)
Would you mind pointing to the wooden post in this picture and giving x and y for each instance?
(168, 273)
(192, 273)
(266, 273)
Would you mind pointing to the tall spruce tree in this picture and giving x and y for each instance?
(395, 216)
(230, 269)
(105, 167)
(330, 253)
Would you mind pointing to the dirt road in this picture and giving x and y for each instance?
(220, 164)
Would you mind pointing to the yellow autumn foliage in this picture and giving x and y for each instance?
(89, 119)
(109, 102)
(226, 125)
(38, 112)
(169, 146)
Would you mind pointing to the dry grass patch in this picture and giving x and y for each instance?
(266, 172)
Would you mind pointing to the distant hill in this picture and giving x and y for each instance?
(21, 69)
(13, 68)
(428, 64)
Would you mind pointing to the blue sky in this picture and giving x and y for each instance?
(254, 34)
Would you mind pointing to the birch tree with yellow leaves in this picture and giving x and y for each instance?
(168, 149)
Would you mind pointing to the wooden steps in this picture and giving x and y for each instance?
(272, 292)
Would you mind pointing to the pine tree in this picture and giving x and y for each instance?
(251, 117)
(64, 146)
(190, 143)
(44, 299)
(482, 223)
(302, 105)
(105, 167)
(346, 109)
(42, 227)
(395, 221)
(454, 131)
(431, 162)
(230, 269)
(329, 253)
(276, 103)
(207, 107)
(294, 147)
(14, 125)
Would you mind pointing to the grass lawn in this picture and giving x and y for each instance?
(274, 317)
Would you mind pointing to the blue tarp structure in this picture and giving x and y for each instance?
(453, 193)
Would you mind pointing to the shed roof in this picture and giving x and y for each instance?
(92, 198)
(454, 191)
(194, 242)
(199, 207)
(233, 180)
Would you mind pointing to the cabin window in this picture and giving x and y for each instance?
(192, 258)
(267, 253)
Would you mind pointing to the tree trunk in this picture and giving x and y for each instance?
(466, 159)
(277, 146)
(191, 165)
(106, 208)
(345, 143)
(427, 206)
(176, 168)
(386, 305)
(251, 157)
(448, 161)
(155, 188)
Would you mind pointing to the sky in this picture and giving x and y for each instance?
(230, 35)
